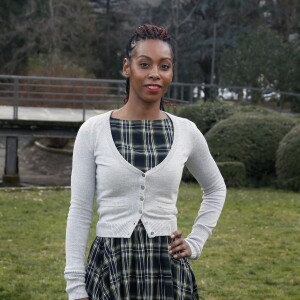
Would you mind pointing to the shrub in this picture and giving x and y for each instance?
(187, 176)
(290, 184)
(251, 139)
(295, 105)
(233, 172)
(207, 114)
(249, 108)
(288, 160)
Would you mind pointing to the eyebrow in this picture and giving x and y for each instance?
(145, 56)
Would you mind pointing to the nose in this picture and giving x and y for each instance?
(154, 73)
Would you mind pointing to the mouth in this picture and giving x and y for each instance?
(153, 87)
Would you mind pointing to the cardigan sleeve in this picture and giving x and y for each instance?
(203, 167)
(80, 212)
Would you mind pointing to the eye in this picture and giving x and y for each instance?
(144, 65)
(165, 67)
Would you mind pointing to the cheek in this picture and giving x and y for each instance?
(168, 79)
(167, 82)
(171, 76)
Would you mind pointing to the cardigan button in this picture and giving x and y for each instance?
(143, 175)
(142, 187)
(152, 233)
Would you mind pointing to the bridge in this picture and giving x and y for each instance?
(13, 129)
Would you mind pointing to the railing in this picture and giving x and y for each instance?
(78, 93)
(83, 94)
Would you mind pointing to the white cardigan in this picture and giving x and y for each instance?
(125, 194)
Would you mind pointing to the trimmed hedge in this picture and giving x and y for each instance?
(251, 139)
(207, 114)
(288, 160)
(187, 176)
(233, 172)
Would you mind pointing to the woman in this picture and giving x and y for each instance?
(133, 158)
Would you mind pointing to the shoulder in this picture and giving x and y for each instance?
(188, 133)
(91, 130)
(184, 123)
(95, 122)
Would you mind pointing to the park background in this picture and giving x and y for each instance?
(245, 57)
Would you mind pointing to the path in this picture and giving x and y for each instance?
(48, 114)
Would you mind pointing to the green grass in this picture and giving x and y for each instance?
(253, 253)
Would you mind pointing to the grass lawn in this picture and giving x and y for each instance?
(254, 252)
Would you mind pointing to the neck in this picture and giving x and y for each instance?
(132, 111)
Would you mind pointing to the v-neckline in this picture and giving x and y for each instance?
(127, 164)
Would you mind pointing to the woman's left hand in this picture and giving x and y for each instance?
(179, 247)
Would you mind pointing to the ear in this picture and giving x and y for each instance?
(126, 67)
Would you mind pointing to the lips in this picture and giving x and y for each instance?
(153, 87)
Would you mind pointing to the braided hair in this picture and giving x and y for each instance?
(145, 32)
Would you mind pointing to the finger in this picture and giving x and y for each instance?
(176, 234)
(181, 250)
(175, 243)
(181, 254)
(178, 248)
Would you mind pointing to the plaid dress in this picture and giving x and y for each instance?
(139, 267)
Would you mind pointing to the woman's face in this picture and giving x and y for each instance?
(150, 70)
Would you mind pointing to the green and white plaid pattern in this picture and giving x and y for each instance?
(143, 143)
(138, 268)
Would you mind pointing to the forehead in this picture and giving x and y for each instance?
(152, 49)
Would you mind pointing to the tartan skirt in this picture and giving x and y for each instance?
(138, 268)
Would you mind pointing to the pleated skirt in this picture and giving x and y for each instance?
(138, 268)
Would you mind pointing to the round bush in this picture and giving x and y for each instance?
(233, 172)
(288, 160)
(187, 176)
(207, 114)
(251, 139)
(257, 109)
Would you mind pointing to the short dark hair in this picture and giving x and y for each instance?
(149, 32)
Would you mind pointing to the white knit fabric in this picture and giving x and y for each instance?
(125, 194)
